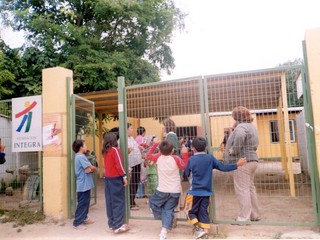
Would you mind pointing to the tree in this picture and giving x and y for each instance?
(98, 39)
(6, 75)
(292, 73)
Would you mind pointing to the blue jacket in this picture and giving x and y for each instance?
(200, 167)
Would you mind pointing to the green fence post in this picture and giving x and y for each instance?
(123, 135)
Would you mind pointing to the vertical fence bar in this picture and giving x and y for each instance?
(123, 135)
(312, 155)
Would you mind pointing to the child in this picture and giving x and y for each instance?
(115, 182)
(200, 165)
(166, 197)
(152, 176)
(83, 172)
(151, 172)
(142, 141)
(2, 154)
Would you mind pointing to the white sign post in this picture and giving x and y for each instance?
(27, 124)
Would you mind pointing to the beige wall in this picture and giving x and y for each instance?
(55, 195)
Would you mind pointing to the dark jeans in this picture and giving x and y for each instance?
(163, 205)
(82, 208)
(134, 181)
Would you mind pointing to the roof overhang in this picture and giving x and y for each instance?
(259, 89)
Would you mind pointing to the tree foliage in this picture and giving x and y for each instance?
(6, 74)
(97, 39)
(292, 73)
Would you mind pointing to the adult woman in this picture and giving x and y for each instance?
(135, 160)
(169, 133)
(243, 142)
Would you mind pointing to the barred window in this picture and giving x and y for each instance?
(274, 131)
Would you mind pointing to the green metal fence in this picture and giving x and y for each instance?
(201, 106)
(82, 127)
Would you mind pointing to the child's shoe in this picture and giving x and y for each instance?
(206, 236)
(198, 233)
(123, 228)
(163, 236)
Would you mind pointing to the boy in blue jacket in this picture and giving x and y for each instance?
(200, 167)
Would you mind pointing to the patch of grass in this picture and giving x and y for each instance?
(3, 186)
(220, 235)
(22, 217)
(15, 184)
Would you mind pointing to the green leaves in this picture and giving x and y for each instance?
(98, 39)
(6, 73)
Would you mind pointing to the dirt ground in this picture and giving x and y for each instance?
(147, 229)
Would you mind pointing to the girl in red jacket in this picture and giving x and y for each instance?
(115, 182)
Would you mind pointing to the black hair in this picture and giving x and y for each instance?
(166, 147)
(109, 141)
(141, 130)
(199, 143)
(77, 144)
(115, 130)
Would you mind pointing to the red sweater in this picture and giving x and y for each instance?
(181, 163)
(113, 163)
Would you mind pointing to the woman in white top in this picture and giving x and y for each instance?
(135, 160)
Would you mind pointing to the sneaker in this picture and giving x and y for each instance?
(163, 236)
(198, 233)
(255, 219)
(206, 236)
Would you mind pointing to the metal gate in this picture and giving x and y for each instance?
(201, 106)
(82, 125)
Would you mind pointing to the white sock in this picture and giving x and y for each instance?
(163, 231)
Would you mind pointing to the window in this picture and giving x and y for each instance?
(292, 131)
(274, 131)
(190, 131)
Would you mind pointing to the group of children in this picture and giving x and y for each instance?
(167, 193)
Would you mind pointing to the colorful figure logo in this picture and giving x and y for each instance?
(27, 115)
